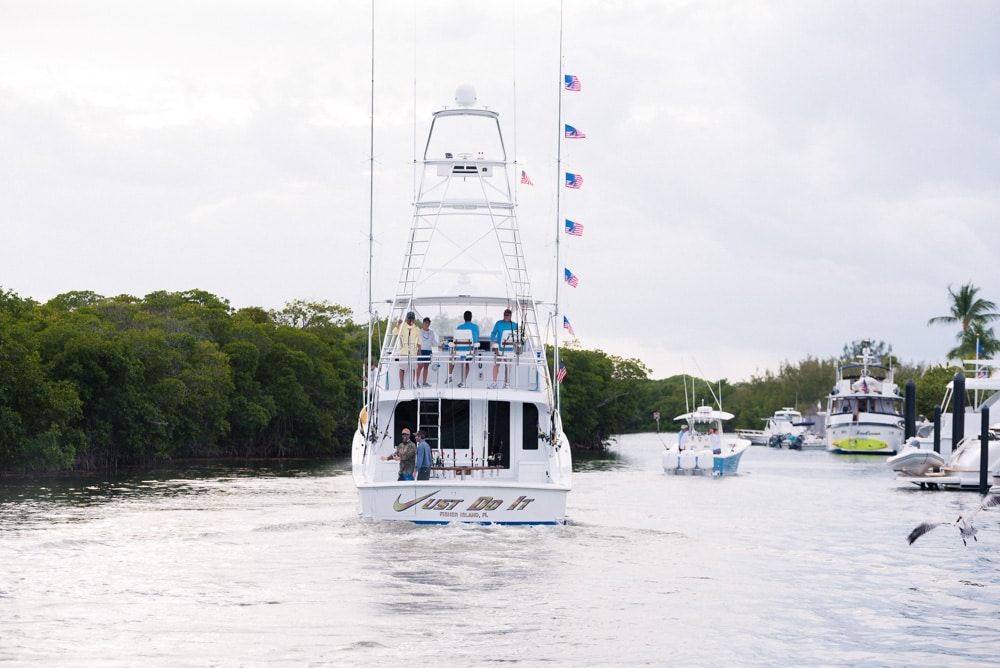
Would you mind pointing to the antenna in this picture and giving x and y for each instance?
(684, 378)
(717, 397)
(371, 225)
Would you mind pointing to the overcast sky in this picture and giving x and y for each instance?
(763, 180)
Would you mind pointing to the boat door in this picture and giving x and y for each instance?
(498, 432)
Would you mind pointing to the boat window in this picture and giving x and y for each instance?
(529, 427)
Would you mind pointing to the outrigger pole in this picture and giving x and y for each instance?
(371, 227)
(559, 189)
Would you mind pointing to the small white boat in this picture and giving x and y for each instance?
(755, 436)
(811, 441)
(785, 428)
(962, 469)
(914, 459)
(704, 448)
(865, 409)
(499, 453)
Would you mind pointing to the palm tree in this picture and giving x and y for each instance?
(983, 337)
(973, 314)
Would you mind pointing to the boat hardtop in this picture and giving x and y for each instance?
(705, 415)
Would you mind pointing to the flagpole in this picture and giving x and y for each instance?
(556, 324)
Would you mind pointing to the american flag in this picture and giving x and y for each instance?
(568, 327)
(983, 373)
(575, 229)
(573, 133)
(572, 83)
(561, 373)
(571, 278)
(573, 181)
(525, 179)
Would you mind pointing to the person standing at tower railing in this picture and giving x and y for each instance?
(469, 331)
(502, 341)
(428, 344)
(407, 345)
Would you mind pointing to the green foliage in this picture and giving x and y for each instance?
(98, 382)
(930, 388)
(599, 394)
(38, 414)
(803, 386)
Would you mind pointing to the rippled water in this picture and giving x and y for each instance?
(801, 559)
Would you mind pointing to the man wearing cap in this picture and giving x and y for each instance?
(423, 458)
(407, 344)
(504, 332)
(406, 453)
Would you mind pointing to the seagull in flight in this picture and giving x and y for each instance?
(965, 528)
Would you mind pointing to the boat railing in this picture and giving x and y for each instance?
(517, 369)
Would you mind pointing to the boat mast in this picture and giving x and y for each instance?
(556, 325)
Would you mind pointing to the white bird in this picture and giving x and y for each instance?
(965, 528)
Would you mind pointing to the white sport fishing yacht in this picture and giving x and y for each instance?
(486, 404)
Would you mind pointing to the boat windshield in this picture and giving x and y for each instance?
(465, 135)
(886, 405)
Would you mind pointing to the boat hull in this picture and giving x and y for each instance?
(812, 442)
(534, 492)
(703, 461)
(914, 460)
(728, 464)
(442, 502)
(755, 436)
(864, 438)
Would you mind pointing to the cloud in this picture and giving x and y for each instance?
(763, 181)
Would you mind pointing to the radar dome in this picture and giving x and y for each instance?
(465, 96)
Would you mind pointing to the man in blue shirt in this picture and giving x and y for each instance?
(423, 463)
(502, 339)
(465, 351)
